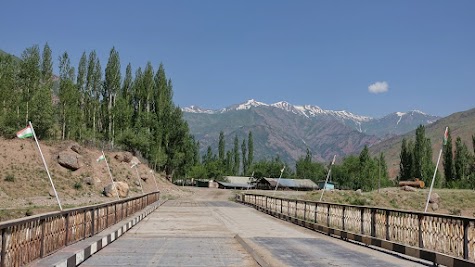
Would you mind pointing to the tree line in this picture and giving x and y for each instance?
(458, 164)
(354, 172)
(95, 106)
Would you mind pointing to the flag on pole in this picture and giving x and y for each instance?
(333, 161)
(25, 133)
(282, 170)
(446, 135)
(101, 158)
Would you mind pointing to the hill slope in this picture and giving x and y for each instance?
(460, 124)
(24, 182)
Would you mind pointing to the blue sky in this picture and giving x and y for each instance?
(415, 54)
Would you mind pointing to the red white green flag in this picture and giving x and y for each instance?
(25, 133)
(446, 135)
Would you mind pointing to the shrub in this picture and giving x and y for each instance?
(77, 185)
(10, 178)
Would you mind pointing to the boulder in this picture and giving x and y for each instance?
(77, 148)
(434, 206)
(409, 188)
(69, 160)
(134, 161)
(359, 192)
(122, 189)
(124, 157)
(434, 198)
(91, 181)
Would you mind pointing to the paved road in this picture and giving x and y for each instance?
(201, 231)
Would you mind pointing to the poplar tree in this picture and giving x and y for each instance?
(448, 157)
(237, 160)
(42, 113)
(244, 155)
(250, 150)
(29, 78)
(10, 120)
(461, 160)
(111, 88)
(81, 82)
(221, 146)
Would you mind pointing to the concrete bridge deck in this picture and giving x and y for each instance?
(208, 230)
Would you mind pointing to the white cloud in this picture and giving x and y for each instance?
(378, 87)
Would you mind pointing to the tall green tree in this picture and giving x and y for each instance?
(112, 84)
(306, 169)
(237, 160)
(448, 157)
(221, 146)
(10, 98)
(250, 149)
(42, 113)
(69, 99)
(244, 155)
(461, 160)
(81, 82)
(29, 77)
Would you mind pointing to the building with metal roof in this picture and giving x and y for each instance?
(286, 184)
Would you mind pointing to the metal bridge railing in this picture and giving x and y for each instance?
(25, 240)
(443, 239)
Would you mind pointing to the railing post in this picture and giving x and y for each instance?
(281, 206)
(305, 211)
(343, 219)
(466, 225)
(93, 223)
(85, 223)
(115, 213)
(266, 202)
(296, 205)
(67, 229)
(387, 225)
(4, 248)
(362, 220)
(373, 222)
(107, 216)
(316, 207)
(288, 207)
(421, 242)
(328, 215)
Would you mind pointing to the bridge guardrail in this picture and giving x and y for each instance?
(25, 240)
(442, 239)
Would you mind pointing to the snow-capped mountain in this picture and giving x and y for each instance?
(392, 124)
(306, 110)
(288, 130)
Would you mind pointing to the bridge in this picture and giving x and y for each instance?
(206, 229)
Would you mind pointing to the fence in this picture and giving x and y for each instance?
(25, 240)
(442, 239)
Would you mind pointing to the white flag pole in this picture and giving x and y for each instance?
(156, 185)
(138, 176)
(328, 176)
(46, 166)
(278, 180)
(110, 175)
(436, 166)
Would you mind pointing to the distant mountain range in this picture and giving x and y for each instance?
(288, 130)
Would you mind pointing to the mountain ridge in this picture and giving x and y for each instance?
(286, 130)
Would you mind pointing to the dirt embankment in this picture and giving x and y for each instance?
(25, 186)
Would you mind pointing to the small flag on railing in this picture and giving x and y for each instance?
(25, 133)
